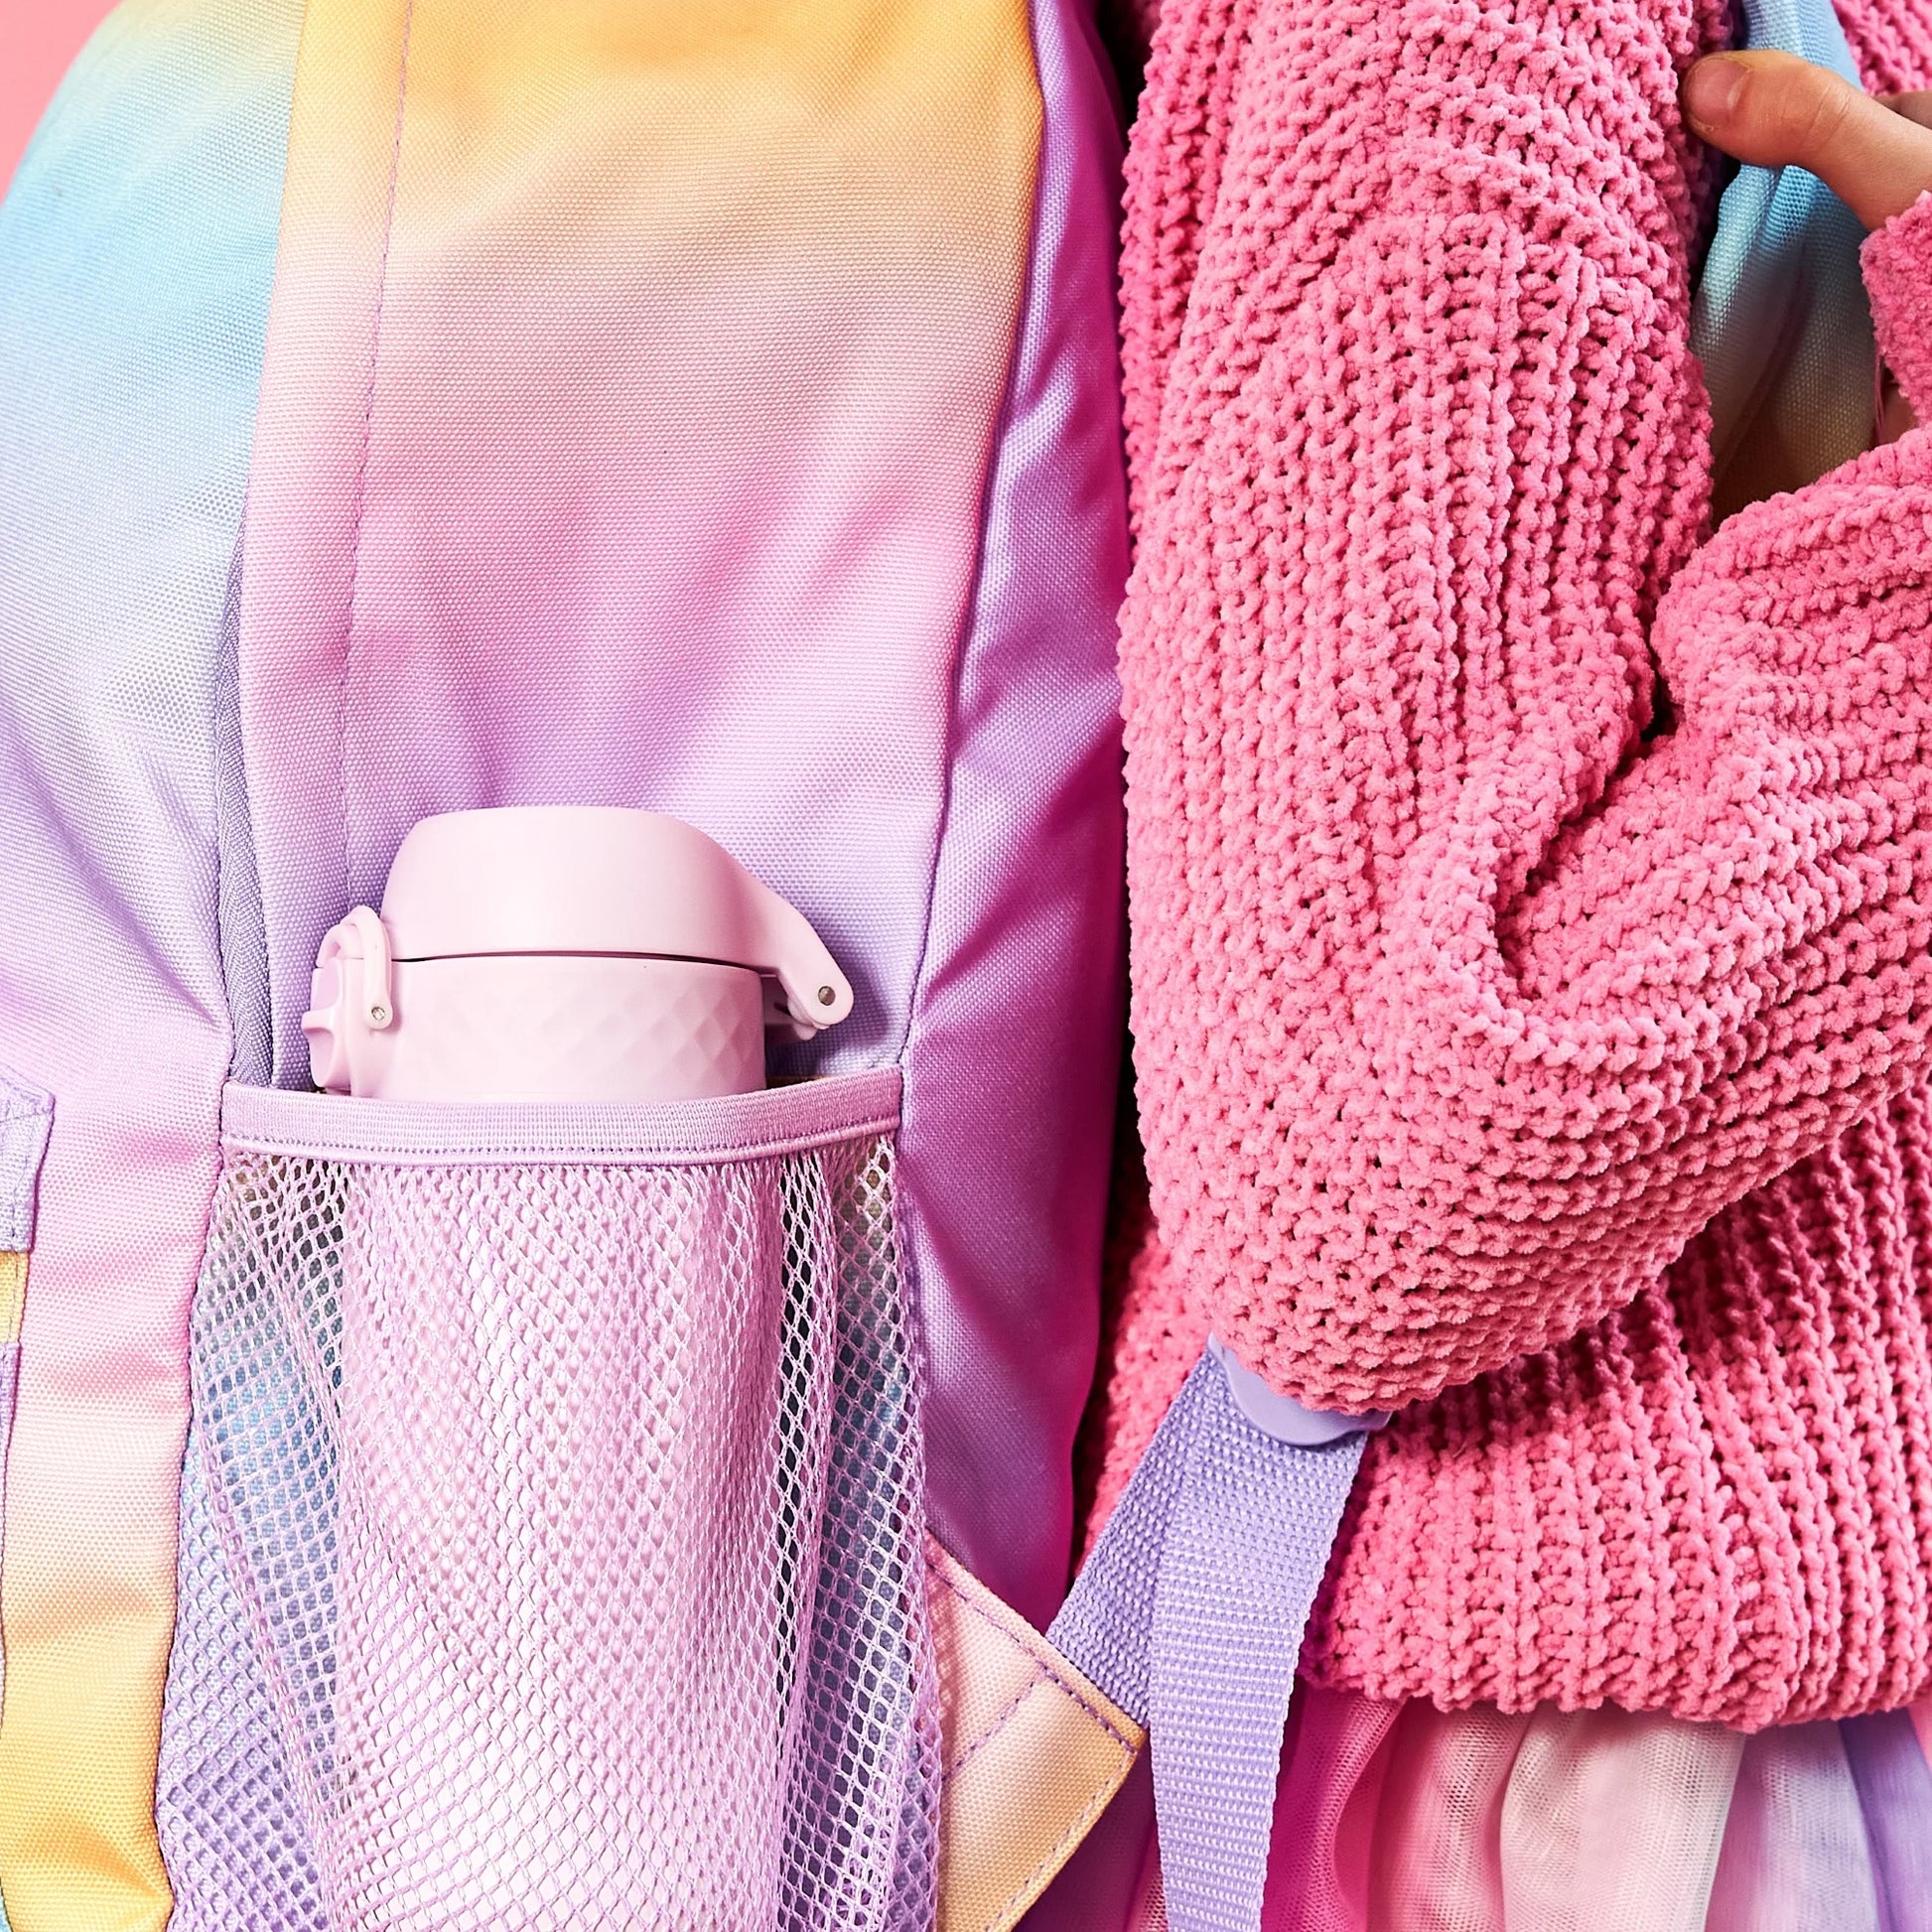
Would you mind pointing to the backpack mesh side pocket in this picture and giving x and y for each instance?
(570, 1498)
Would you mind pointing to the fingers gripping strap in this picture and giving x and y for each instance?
(1190, 1615)
(1780, 323)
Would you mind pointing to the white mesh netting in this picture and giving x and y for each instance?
(567, 1517)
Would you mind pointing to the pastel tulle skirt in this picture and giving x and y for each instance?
(1401, 1818)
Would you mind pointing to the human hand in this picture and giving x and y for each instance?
(1774, 109)
(1875, 154)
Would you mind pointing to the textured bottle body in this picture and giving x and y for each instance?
(560, 1027)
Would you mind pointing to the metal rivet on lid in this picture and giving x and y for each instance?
(826, 996)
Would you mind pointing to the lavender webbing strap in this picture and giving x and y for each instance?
(1189, 1615)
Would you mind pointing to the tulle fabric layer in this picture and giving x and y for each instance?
(1401, 1818)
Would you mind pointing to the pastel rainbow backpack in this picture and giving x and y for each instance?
(415, 406)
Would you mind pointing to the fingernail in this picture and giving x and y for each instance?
(1712, 87)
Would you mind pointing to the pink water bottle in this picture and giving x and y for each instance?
(558, 1380)
(565, 952)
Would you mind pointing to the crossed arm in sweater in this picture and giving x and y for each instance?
(1467, 985)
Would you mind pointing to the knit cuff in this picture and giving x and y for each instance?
(1897, 263)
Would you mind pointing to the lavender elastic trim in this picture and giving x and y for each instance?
(1189, 1615)
(26, 1114)
(1895, 1787)
(685, 1133)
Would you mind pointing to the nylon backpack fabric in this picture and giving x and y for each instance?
(769, 472)
(137, 245)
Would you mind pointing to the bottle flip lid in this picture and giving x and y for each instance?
(586, 878)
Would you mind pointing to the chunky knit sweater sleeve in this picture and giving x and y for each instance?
(1514, 883)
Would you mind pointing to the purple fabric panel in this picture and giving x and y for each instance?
(736, 1126)
(1011, 1060)
(1895, 1794)
(26, 1114)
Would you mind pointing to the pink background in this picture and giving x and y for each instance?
(38, 38)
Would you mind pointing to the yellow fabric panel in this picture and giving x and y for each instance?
(13, 1295)
(1033, 1753)
(85, 1857)
(76, 1830)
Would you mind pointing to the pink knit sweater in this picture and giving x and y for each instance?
(1465, 995)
